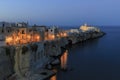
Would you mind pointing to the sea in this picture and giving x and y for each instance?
(97, 59)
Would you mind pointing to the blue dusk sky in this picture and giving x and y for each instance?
(61, 12)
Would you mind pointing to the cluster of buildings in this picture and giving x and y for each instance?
(22, 33)
(84, 29)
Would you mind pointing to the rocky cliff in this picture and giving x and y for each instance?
(24, 60)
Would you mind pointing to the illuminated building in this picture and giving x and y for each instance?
(85, 28)
(54, 33)
(22, 35)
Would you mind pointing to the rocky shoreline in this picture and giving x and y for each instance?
(35, 61)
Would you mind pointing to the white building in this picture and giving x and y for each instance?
(5, 24)
(74, 31)
(22, 24)
(85, 28)
(53, 30)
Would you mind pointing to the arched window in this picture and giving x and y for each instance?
(23, 32)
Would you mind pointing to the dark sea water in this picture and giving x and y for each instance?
(97, 59)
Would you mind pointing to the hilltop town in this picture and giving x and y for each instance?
(30, 52)
(22, 33)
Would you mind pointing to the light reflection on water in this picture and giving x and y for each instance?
(64, 60)
(53, 77)
(63, 64)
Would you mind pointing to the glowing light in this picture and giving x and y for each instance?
(57, 35)
(53, 36)
(65, 34)
(64, 60)
(38, 37)
(50, 37)
(53, 77)
(28, 36)
(9, 39)
(18, 38)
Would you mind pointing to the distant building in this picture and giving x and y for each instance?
(53, 30)
(74, 31)
(5, 24)
(51, 33)
(85, 28)
(41, 30)
(5, 28)
(22, 24)
(23, 35)
(54, 33)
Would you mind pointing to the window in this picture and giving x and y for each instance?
(51, 30)
(23, 32)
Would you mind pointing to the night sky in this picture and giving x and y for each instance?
(61, 12)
